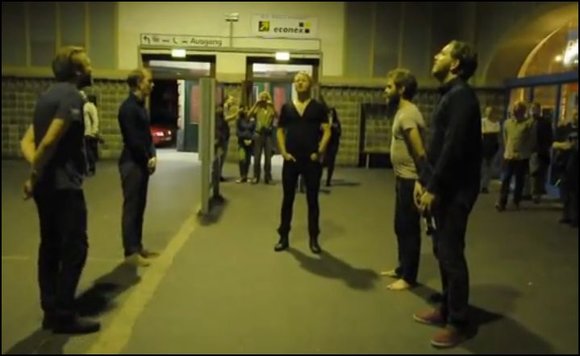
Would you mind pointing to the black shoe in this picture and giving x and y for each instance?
(314, 246)
(499, 207)
(484, 191)
(282, 244)
(70, 325)
(565, 221)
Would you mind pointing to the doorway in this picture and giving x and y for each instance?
(174, 104)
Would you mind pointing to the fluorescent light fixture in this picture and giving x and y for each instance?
(178, 53)
(571, 52)
(282, 56)
(558, 58)
(233, 17)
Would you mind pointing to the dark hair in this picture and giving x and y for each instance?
(467, 58)
(403, 78)
(135, 77)
(92, 98)
(64, 65)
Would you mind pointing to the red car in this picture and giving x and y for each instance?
(162, 134)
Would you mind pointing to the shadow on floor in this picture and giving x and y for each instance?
(329, 266)
(93, 302)
(494, 332)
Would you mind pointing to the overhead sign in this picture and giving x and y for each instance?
(284, 26)
(181, 41)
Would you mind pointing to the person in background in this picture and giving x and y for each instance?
(246, 128)
(490, 129)
(518, 138)
(264, 113)
(567, 150)
(333, 145)
(540, 158)
(91, 117)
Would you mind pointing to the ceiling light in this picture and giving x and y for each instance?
(178, 53)
(282, 56)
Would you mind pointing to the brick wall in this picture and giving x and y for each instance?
(18, 100)
(19, 96)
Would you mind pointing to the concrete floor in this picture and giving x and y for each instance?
(220, 288)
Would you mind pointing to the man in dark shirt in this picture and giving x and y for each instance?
(303, 133)
(54, 146)
(137, 162)
(450, 185)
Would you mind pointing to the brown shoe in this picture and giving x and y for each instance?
(450, 336)
(148, 254)
(431, 317)
(137, 260)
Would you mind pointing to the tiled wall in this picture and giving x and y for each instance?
(19, 95)
(18, 99)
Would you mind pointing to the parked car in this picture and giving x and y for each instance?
(162, 134)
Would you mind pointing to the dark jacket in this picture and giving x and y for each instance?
(245, 129)
(134, 123)
(454, 151)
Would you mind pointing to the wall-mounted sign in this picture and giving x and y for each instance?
(284, 26)
(181, 41)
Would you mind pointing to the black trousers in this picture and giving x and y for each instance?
(92, 147)
(329, 161)
(63, 246)
(311, 172)
(245, 153)
(407, 229)
(135, 181)
(512, 167)
(451, 216)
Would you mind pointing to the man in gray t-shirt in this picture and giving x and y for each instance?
(407, 154)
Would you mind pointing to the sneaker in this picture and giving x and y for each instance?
(450, 336)
(499, 207)
(431, 317)
(137, 260)
(241, 180)
(484, 191)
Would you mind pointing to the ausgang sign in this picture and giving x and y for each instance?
(284, 26)
(181, 41)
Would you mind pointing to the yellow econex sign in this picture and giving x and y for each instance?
(284, 26)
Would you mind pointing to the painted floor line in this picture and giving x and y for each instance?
(114, 337)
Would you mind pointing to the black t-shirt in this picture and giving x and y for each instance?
(66, 168)
(303, 133)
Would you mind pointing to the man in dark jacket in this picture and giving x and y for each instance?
(450, 185)
(137, 162)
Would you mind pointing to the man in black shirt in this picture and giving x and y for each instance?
(450, 185)
(54, 146)
(303, 133)
(137, 162)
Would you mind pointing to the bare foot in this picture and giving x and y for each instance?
(392, 273)
(399, 284)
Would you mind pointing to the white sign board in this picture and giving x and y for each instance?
(284, 26)
(181, 41)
